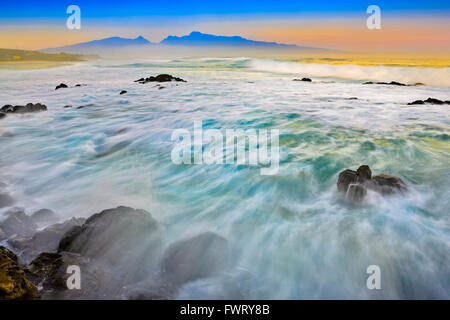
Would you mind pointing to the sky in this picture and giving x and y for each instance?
(421, 26)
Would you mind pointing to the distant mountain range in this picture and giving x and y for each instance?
(194, 39)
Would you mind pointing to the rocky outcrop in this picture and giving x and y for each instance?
(30, 107)
(429, 101)
(44, 217)
(61, 86)
(202, 256)
(392, 83)
(160, 78)
(355, 184)
(46, 240)
(14, 284)
(303, 79)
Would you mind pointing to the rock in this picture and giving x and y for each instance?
(123, 238)
(44, 240)
(30, 107)
(60, 86)
(354, 184)
(303, 79)
(14, 284)
(346, 178)
(44, 217)
(386, 184)
(356, 192)
(160, 78)
(353, 98)
(429, 101)
(5, 200)
(363, 174)
(67, 106)
(392, 83)
(123, 92)
(17, 223)
(2, 115)
(198, 257)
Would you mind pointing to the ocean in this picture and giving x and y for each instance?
(291, 235)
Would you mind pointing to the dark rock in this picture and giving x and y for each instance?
(392, 83)
(353, 98)
(160, 78)
(346, 178)
(44, 240)
(429, 101)
(30, 107)
(303, 79)
(81, 107)
(123, 92)
(122, 238)
(67, 106)
(2, 115)
(14, 284)
(17, 223)
(5, 200)
(363, 174)
(386, 184)
(60, 86)
(198, 257)
(356, 192)
(355, 184)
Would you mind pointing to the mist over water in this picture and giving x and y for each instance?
(291, 235)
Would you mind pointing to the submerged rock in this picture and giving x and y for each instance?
(429, 101)
(30, 107)
(14, 284)
(354, 184)
(160, 78)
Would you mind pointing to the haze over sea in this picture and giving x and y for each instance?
(291, 236)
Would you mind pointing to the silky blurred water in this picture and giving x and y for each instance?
(292, 237)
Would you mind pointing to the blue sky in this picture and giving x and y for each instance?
(116, 8)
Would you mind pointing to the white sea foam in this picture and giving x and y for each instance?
(409, 75)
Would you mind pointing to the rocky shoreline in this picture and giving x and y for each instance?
(120, 252)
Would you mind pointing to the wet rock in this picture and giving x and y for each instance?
(392, 83)
(355, 184)
(160, 78)
(5, 200)
(387, 184)
(123, 238)
(2, 115)
(303, 79)
(61, 86)
(346, 178)
(123, 92)
(14, 284)
(30, 107)
(198, 257)
(363, 174)
(429, 101)
(67, 106)
(17, 223)
(46, 240)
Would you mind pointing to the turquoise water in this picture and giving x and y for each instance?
(292, 236)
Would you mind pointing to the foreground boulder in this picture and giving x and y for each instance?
(202, 256)
(355, 184)
(14, 284)
(160, 78)
(30, 107)
(429, 101)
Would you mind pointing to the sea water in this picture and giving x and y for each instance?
(291, 235)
